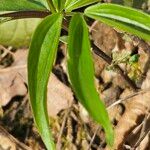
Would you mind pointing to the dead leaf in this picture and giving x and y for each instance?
(59, 96)
(13, 79)
(110, 95)
(7, 142)
(136, 136)
(136, 108)
(99, 65)
(105, 37)
(145, 143)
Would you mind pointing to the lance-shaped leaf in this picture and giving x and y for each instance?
(44, 2)
(41, 57)
(74, 4)
(20, 5)
(123, 18)
(81, 73)
(59, 4)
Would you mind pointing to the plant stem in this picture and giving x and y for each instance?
(51, 6)
(26, 14)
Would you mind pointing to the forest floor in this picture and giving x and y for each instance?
(122, 77)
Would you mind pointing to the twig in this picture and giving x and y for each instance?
(26, 14)
(67, 112)
(143, 132)
(8, 136)
(5, 52)
(93, 137)
(128, 97)
(108, 59)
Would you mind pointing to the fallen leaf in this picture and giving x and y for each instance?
(105, 37)
(13, 79)
(145, 143)
(9, 142)
(59, 96)
(136, 108)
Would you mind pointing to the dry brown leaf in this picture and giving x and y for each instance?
(136, 108)
(110, 95)
(145, 144)
(139, 133)
(8, 142)
(59, 96)
(13, 79)
(99, 65)
(105, 37)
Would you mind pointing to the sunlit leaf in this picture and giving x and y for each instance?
(17, 33)
(64, 39)
(44, 2)
(59, 4)
(17, 5)
(42, 53)
(81, 73)
(74, 4)
(121, 17)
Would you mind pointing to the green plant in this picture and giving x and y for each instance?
(43, 51)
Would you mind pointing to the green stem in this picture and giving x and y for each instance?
(51, 6)
(71, 13)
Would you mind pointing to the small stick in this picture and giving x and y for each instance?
(67, 112)
(128, 97)
(93, 137)
(26, 14)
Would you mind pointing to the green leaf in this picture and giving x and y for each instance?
(17, 33)
(121, 17)
(81, 73)
(74, 4)
(59, 4)
(42, 53)
(18, 5)
(44, 2)
(64, 39)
